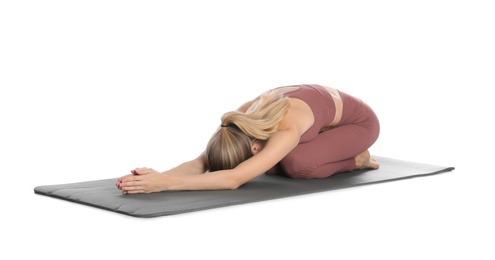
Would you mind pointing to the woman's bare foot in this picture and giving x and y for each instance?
(364, 161)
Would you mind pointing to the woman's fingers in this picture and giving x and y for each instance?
(139, 181)
(132, 191)
(133, 188)
(125, 176)
(143, 170)
(129, 180)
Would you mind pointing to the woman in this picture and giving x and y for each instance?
(302, 131)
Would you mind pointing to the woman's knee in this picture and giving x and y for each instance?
(297, 168)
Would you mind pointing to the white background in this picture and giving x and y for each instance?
(93, 89)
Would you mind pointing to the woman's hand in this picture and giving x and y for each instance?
(142, 180)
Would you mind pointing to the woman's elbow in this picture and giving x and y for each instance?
(231, 180)
(233, 184)
(224, 180)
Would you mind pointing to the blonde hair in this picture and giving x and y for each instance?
(231, 144)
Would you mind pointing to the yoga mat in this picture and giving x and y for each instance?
(103, 193)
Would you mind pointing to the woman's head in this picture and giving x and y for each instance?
(241, 135)
(228, 147)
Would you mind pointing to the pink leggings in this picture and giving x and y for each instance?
(333, 151)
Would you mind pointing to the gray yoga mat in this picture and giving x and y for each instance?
(103, 193)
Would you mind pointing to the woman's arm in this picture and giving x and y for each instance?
(277, 147)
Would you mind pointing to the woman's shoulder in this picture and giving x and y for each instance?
(278, 92)
(286, 89)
